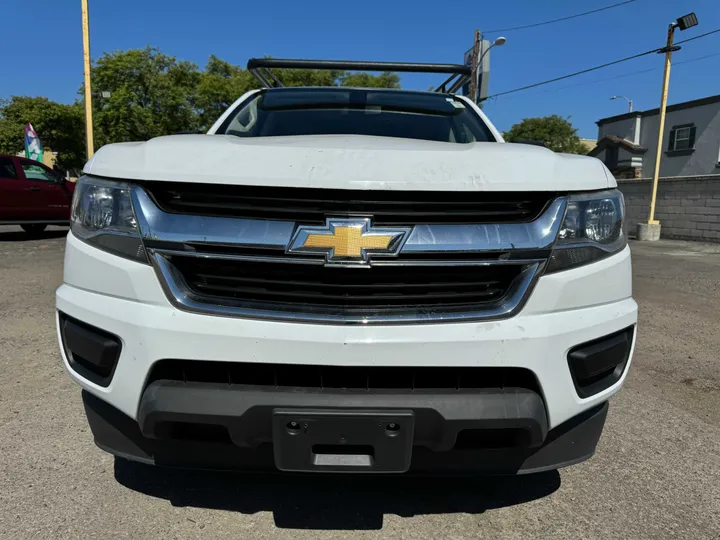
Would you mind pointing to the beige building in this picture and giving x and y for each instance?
(590, 144)
(49, 157)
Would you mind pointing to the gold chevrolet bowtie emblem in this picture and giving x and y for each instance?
(348, 241)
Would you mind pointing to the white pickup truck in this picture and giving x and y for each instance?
(347, 280)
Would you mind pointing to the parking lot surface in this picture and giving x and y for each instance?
(656, 473)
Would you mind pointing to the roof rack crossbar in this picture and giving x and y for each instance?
(255, 65)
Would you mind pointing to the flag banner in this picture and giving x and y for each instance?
(33, 146)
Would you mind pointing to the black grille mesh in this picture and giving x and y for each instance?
(311, 206)
(371, 290)
(342, 377)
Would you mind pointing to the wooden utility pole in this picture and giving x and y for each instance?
(661, 129)
(475, 60)
(88, 88)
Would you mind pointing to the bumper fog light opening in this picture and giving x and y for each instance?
(597, 365)
(91, 352)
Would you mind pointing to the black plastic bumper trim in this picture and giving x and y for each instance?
(243, 410)
(91, 352)
(569, 443)
(597, 365)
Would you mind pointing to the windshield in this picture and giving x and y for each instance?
(383, 113)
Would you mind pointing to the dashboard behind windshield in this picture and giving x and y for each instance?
(382, 113)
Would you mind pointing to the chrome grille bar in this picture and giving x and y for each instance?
(156, 225)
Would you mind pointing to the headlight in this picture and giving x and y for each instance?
(592, 230)
(102, 215)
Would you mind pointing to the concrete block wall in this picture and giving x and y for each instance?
(688, 207)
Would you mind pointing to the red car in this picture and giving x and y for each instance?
(33, 195)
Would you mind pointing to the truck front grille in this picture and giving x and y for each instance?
(313, 205)
(228, 251)
(344, 291)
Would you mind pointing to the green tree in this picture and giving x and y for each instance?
(556, 132)
(367, 80)
(208, 93)
(220, 84)
(151, 94)
(313, 77)
(61, 128)
(308, 77)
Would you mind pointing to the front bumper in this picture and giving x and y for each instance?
(125, 299)
(147, 442)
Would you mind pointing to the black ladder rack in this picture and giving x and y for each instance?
(260, 68)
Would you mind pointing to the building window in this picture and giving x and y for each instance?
(682, 138)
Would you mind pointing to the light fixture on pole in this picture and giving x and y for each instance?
(630, 104)
(651, 229)
(499, 42)
(481, 73)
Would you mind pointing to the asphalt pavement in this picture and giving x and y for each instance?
(656, 473)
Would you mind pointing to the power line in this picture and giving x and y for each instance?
(595, 81)
(630, 74)
(572, 74)
(698, 37)
(527, 87)
(559, 20)
(633, 73)
(692, 60)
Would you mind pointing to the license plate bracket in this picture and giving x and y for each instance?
(368, 441)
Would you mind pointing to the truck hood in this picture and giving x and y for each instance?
(349, 162)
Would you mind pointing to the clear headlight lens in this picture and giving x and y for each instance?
(592, 230)
(102, 215)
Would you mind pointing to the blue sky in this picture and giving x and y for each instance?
(42, 49)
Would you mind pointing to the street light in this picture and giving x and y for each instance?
(499, 42)
(686, 21)
(626, 99)
(479, 79)
(651, 229)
